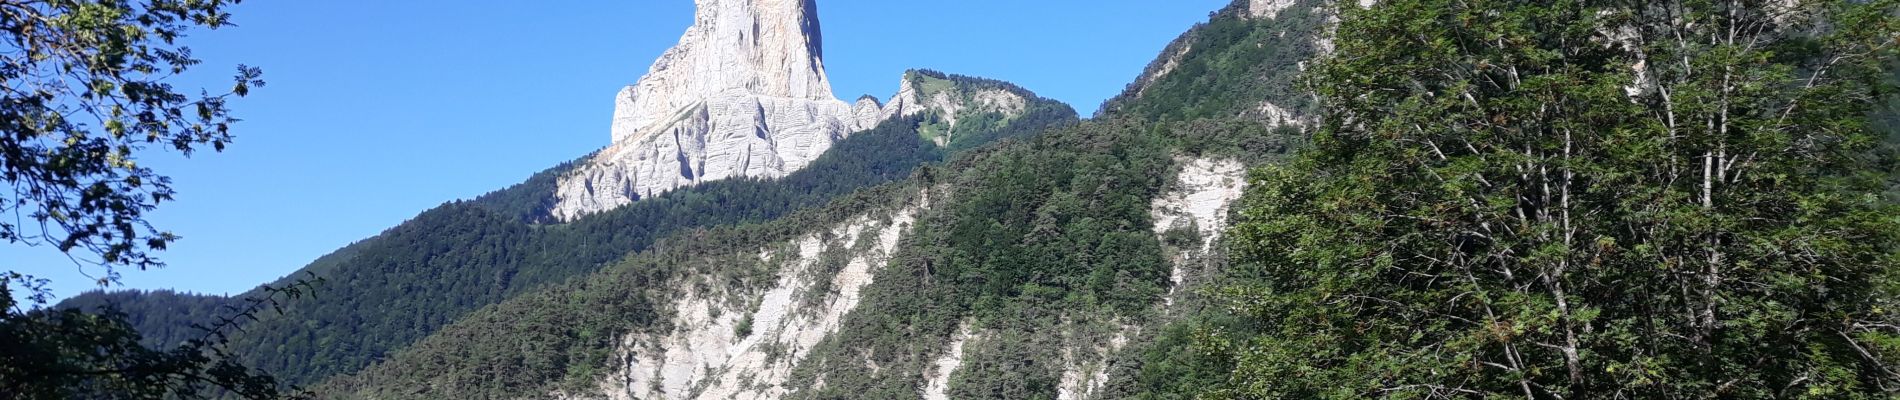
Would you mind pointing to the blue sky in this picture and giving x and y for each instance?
(377, 110)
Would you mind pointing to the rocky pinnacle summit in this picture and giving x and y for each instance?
(743, 94)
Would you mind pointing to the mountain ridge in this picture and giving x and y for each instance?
(1015, 280)
(1005, 193)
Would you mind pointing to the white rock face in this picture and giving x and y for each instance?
(1083, 377)
(705, 357)
(949, 100)
(868, 112)
(1201, 196)
(744, 94)
(1173, 62)
(938, 387)
(1268, 9)
(1277, 117)
(767, 48)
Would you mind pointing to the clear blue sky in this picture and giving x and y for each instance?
(377, 110)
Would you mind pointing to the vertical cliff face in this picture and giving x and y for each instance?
(743, 94)
(765, 48)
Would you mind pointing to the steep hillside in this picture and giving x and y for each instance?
(1245, 61)
(165, 318)
(706, 284)
(992, 245)
(972, 111)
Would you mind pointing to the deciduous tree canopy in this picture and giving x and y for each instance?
(1578, 199)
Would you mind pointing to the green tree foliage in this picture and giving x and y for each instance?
(85, 95)
(1577, 199)
(531, 201)
(1887, 121)
(1016, 245)
(71, 353)
(1227, 66)
(157, 314)
(1168, 366)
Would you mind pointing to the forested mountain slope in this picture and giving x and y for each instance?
(992, 245)
(1041, 268)
(385, 292)
(1241, 62)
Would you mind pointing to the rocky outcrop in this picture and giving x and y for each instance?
(735, 48)
(745, 344)
(920, 92)
(1169, 63)
(868, 110)
(743, 94)
(938, 385)
(1267, 8)
(953, 98)
(1275, 116)
(1200, 197)
(1085, 369)
(1198, 202)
